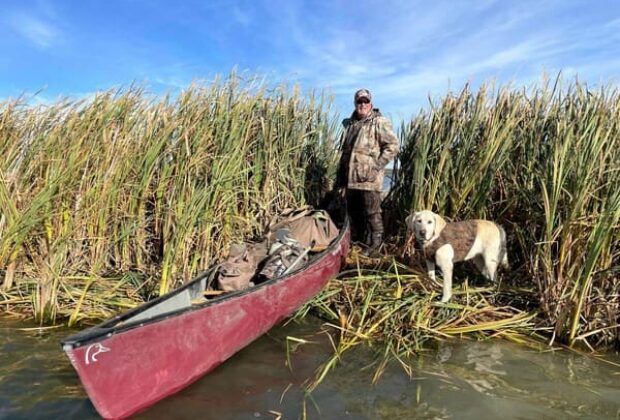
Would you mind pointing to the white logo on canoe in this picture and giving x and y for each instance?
(93, 351)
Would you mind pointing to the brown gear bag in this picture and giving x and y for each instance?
(308, 230)
(239, 268)
(311, 228)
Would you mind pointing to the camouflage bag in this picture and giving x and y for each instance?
(311, 228)
(238, 270)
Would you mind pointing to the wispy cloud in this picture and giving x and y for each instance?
(403, 51)
(242, 17)
(42, 34)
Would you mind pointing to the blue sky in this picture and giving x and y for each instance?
(403, 51)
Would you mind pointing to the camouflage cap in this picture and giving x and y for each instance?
(362, 93)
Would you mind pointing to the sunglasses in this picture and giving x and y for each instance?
(362, 101)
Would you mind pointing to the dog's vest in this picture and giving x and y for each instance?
(459, 235)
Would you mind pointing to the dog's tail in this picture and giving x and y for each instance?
(503, 251)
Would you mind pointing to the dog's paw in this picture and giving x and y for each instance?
(445, 298)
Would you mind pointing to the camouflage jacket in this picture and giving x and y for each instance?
(367, 146)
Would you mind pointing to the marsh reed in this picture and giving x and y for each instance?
(394, 308)
(112, 200)
(545, 163)
(108, 201)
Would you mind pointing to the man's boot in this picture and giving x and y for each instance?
(368, 234)
(375, 222)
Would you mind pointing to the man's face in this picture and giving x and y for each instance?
(363, 107)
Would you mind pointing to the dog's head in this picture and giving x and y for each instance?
(425, 225)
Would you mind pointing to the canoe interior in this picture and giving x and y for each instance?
(188, 297)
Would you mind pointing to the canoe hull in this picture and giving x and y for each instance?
(125, 371)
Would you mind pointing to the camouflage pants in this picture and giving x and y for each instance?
(364, 208)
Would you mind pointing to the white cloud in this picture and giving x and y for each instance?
(40, 33)
(405, 52)
(241, 16)
(402, 51)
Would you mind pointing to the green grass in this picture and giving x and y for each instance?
(109, 201)
(127, 183)
(544, 163)
(394, 309)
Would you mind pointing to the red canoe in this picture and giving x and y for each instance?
(135, 359)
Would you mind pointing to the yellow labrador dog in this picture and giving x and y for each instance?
(446, 243)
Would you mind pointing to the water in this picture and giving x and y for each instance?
(459, 379)
(387, 180)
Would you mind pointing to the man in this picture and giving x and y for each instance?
(368, 144)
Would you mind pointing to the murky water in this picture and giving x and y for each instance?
(461, 379)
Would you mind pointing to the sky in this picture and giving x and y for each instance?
(405, 52)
